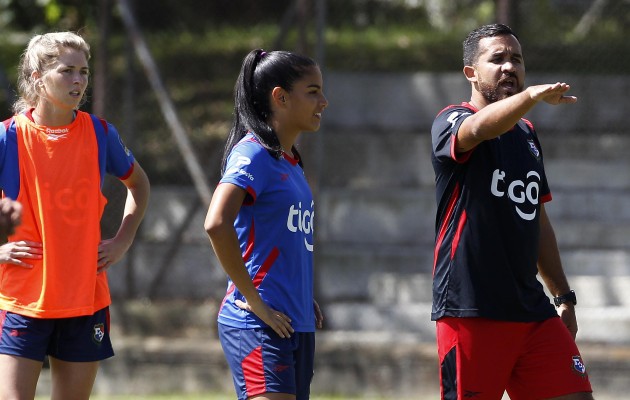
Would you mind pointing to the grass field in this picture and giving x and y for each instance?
(216, 397)
(225, 396)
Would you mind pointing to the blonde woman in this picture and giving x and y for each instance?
(54, 296)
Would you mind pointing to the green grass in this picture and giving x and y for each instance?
(208, 397)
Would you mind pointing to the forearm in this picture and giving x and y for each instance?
(138, 191)
(552, 273)
(549, 262)
(135, 207)
(219, 225)
(226, 247)
(499, 117)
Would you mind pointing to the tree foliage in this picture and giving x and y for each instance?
(198, 46)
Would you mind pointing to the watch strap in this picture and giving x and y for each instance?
(565, 298)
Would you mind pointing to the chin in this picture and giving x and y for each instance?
(505, 95)
(312, 128)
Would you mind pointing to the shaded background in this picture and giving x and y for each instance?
(198, 47)
(163, 73)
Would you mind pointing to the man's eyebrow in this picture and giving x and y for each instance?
(503, 51)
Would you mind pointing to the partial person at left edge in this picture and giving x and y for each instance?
(54, 294)
(10, 217)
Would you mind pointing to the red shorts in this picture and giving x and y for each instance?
(481, 358)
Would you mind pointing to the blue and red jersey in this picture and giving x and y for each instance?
(275, 232)
(57, 174)
(487, 223)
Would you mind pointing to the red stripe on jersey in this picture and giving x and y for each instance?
(227, 294)
(528, 122)
(458, 234)
(7, 123)
(266, 266)
(250, 198)
(447, 218)
(459, 158)
(254, 373)
(128, 173)
(104, 123)
(250, 243)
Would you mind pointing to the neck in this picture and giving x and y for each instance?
(45, 116)
(287, 138)
(477, 100)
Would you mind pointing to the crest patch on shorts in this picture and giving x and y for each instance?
(578, 365)
(99, 333)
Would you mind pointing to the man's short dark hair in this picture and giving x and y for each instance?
(471, 43)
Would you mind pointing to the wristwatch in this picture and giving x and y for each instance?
(565, 298)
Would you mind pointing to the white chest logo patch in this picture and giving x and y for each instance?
(524, 194)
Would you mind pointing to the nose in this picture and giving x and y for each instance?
(324, 101)
(78, 78)
(508, 66)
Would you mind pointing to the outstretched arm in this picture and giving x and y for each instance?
(499, 117)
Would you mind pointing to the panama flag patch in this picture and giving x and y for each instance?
(578, 365)
(99, 333)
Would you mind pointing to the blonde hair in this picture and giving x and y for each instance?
(40, 55)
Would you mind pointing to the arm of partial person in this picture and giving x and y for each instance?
(17, 253)
(551, 271)
(319, 316)
(499, 117)
(112, 250)
(10, 216)
(219, 225)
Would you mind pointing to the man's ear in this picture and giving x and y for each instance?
(279, 96)
(471, 73)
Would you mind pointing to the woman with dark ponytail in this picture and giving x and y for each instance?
(260, 225)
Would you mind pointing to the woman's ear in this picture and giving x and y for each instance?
(279, 96)
(471, 73)
(37, 79)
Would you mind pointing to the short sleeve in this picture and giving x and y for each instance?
(9, 166)
(248, 167)
(444, 133)
(3, 145)
(119, 159)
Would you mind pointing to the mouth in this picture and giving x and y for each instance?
(510, 83)
(318, 115)
(75, 93)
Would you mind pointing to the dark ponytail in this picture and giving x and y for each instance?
(260, 73)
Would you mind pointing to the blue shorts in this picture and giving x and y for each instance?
(76, 339)
(263, 362)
